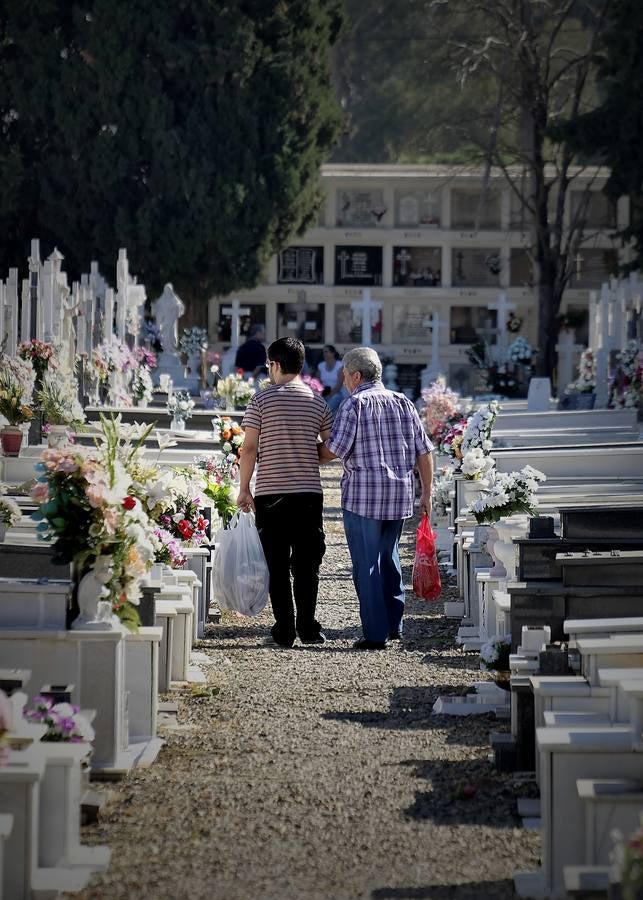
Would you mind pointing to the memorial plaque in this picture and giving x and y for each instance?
(591, 522)
(358, 265)
(417, 267)
(301, 265)
(365, 208)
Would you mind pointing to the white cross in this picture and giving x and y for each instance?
(403, 257)
(235, 311)
(433, 369)
(367, 308)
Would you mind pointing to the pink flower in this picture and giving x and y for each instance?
(95, 494)
(110, 518)
(40, 492)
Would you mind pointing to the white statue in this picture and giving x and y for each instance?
(168, 309)
(93, 600)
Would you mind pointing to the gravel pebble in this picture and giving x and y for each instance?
(319, 772)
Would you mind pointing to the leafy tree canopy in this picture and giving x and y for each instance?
(189, 131)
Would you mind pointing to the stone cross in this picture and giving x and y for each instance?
(235, 311)
(11, 312)
(108, 320)
(403, 257)
(122, 286)
(601, 352)
(567, 350)
(367, 307)
(503, 307)
(31, 325)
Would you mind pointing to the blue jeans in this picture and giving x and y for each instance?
(377, 575)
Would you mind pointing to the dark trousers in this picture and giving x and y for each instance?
(292, 535)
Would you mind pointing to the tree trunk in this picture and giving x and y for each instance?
(547, 332)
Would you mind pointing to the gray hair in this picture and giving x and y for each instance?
(365, 361)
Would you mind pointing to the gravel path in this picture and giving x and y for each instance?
(319, 773)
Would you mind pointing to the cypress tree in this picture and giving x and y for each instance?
(189, 131)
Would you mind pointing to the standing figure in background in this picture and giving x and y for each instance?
(331, 374)
(251, 355)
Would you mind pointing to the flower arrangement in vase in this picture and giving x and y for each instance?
(39, 353)
(167, 549)
(586, 381)
(230, 434)
(627, 381)
(64, 722)
(142, 386)
(59, 404)
(235, 391)
(87, 512)
(16, 392)
(476, 465)
(520, 351)
(180, 405)
(627, 857)
(219, 474)
(313, 383)
(494, 657)
(10, 513)
(507, 494)
(442, 487)
(479, 426)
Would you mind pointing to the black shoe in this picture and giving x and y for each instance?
(287, 644)
(319, 638)
(363, 644)
(395, 636)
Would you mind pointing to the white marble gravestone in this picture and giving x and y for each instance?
(538, 395)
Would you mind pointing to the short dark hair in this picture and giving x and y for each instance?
(289, 353)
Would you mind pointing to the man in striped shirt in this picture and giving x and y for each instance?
(378, 435)
(282, 425)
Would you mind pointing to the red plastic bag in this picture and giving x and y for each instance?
(426, 572)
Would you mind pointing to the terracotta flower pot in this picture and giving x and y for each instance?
(11, 440)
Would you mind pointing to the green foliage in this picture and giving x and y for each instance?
(613, 132)
(189, 131)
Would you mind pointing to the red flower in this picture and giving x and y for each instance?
(240, 371)
(201, 524)
(129, 502)
(186, 529)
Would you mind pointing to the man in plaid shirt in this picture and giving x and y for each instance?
(378, 435)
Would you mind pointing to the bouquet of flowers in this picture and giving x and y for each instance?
(142, 386)
(10, 513)
(180, 405)
(167, 549)
(508, 493)
(38, 353)
(586, 381)
(520, 351)
(479, 426)
(193, 340)
(151, 334)
(145, 357)
(63, 720)
(16, 390)
(441, 410)
(628, 859)
(112, 356)
(627, 383)
(58, 400)
(230, 434)
(88, 513)
(234, 390)
(476, 464)
(452, 440)
(219, 474)
(494, 655)
(442, 487)
(184, 521)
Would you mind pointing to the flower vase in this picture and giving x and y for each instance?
(177, 424)
(141, 402)
(58, 436)
(502, 679)
(11, 437)
(504, 550)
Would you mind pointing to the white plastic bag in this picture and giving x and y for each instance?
(240, 573)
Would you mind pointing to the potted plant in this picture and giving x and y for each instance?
(60, 407)
(16, 389)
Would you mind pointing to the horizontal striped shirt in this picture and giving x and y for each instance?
(289, 418)
(378, 435)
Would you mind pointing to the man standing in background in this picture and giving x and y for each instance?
(251, 355)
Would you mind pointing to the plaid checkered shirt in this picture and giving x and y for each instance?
(378, 435)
